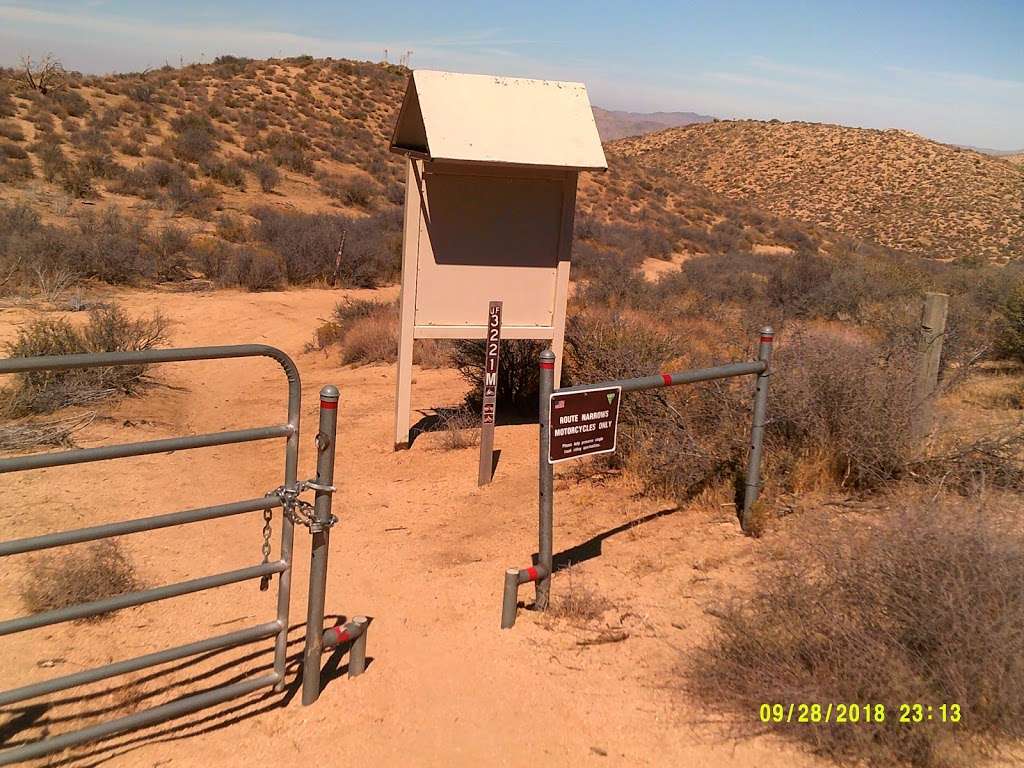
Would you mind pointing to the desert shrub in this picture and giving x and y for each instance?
(518, 382)
(11, 130)
(211, 258)
(171, 249)
(460, 428)
(232, 228)
(847, 402)
(12, 169)
(353, 252)
(289, 150)
(366, 332)
(255, 269)
(196, 139)
(70, 102)
(109, 329)
(77, 180)
(7, 105)
(52, 158)
(12, 151)
(131, 148)
(609, 280)
(732, 277)
(370, 340)
(358, 190)
(1009, 333)
(680, 440)
(973, 466)
(267, 175)
(100, 165)
(920, 605)
(227, 172)
(199, 200)
(110, 246)
(100, 570)
(163, 173)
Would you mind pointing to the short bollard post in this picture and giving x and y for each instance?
(510, 598)
(321, 530)
(357, 654)
(546, 472)
(752, 487)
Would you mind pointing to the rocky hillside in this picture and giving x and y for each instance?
(616, 124)
(893, 187)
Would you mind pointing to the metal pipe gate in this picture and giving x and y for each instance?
(286, 497)
(540, 573)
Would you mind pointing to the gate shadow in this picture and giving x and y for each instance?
(592, 547)
(197, 723)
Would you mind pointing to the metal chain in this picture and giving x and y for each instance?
(302, 512)
(268, 515)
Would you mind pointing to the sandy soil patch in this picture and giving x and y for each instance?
(419, 548)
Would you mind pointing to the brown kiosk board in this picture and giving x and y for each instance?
(583, 423)
(490, 200)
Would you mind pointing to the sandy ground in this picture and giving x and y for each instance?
(419, 548)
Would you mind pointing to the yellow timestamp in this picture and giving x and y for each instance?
(842, 713)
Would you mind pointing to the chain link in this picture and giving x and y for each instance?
(268, 515)
(299, 511)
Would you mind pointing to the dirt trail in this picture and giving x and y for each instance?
(419, 548)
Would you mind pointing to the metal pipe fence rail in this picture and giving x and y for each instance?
(285, 497)
(540, 573)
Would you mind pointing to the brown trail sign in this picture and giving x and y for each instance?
(583, 423)
(489, 409)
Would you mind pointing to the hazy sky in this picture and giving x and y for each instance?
(950, 71)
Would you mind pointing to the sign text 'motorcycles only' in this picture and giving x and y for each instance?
(583, 423)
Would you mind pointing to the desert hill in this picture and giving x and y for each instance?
(616, 124)
(891, 186)
(256, 173)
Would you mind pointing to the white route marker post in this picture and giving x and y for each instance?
(489, 409)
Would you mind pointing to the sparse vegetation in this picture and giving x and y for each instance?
(366, 332)
(97, 571)
(518, 383)
(952, 203)
(919, 605)
(109, 329)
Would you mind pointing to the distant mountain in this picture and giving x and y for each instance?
(891, 186)
(615, 124)
(1004, 153)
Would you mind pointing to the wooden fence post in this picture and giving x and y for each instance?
(929, 353)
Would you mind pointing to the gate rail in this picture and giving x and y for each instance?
(541, 572)
(283, 498)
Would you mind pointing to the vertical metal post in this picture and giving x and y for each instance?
(753, 481)
(321, 530)
(546, 472)
(291, 472)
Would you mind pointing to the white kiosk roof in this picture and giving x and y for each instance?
(498, 121)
